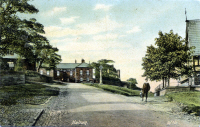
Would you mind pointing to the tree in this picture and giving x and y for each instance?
(15, 32)
(19, 66)
(46, 55)
(19, 34)
(132, 82)
(168, 59)
(3, 64)
(108, 72)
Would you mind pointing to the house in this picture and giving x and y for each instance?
(11, 58)
(71, 72)
(193, 39)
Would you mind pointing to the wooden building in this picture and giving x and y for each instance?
(193, 39)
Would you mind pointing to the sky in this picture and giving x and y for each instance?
(118, 30)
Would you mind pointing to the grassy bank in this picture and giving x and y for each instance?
(116, 89)
(190, 101)
(26, 94)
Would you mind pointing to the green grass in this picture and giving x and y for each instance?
(190, 100)
(28, 94)
(116, 89)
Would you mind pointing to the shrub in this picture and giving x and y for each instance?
(116, 89)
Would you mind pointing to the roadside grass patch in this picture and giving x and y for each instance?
(189, 101)
(26, 94)
(116, 89)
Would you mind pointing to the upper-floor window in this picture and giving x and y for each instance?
(47, 72)
(88, 72)
(71, 73)
(81, 72)
(41, 72)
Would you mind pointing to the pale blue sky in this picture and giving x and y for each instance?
(111, 29)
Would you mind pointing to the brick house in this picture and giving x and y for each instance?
(71, 72)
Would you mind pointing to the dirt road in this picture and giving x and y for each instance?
(81, 105)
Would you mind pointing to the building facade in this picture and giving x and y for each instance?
(193, 39)
(11, 59)
(72, 72)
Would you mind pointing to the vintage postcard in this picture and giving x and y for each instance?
(115, 63)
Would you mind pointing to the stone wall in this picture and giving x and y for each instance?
(36, 77)
(14, 78)
(176, 89)
(41, 78)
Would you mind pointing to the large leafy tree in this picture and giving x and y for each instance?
(47, 56)
(168, 59)
(20, 35)
(16, 32)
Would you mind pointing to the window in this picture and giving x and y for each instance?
(88, 72)
(81, 79)
(41, 72)
(81, 72)
(196, 60)
(58, 73)
(93, 73)
(88, 79)
(47, 72)
(71, 73)
(11, 64)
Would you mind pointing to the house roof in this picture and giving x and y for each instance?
(72, 65)
(83, 65)
(67, 65)
(15, 56)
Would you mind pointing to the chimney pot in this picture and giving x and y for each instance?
(83, 61)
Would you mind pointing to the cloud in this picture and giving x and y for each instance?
(54, 31)
(134, 30)
(102, 25)
(102, 7)
(59, 9)
(105, 37)
(68, 20)
(54, 11)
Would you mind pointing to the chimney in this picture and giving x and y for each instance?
(75, 61)
(83, 61)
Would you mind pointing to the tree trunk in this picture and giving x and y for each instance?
(40, 65)
(163, 82)
(169, 81)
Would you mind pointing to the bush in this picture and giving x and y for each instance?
(3, 65)
(116, 89)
